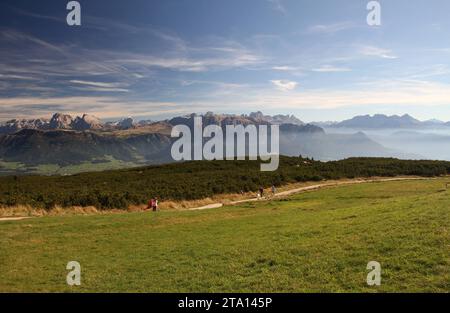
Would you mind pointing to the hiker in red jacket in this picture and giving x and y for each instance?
(150, 204)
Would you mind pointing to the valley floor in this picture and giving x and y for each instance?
(310, 242)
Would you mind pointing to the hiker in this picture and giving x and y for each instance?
(274, 190)
(261, 191)
(155, 204)
(150, 203)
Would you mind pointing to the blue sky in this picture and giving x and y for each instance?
(316, 59)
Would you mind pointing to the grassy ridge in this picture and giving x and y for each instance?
(192, 180)
(319, 241)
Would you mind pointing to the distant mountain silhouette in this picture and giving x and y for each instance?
(381, 121)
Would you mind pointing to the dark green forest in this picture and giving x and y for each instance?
(193, 180)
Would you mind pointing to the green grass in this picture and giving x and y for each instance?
(313, 242)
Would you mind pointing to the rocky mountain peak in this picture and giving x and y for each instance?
(86, 122)
(60, 121)
(278, 119)
(126, 123)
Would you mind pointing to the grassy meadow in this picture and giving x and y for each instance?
(317, 241)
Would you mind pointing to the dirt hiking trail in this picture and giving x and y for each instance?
(306, 188)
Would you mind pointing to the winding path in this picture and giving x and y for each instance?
(308, 188)
(14, 218)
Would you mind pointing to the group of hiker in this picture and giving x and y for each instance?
(153, 203)
(260, 194)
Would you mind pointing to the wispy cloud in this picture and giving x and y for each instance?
(330, 28)
(97, 84)
(101, 89)
(373, 93)
(331, 69)
(229, 58)
(59, 69)
(284, 85)
(18, 77)
(285, 68)
(105, 24)
(377, 52)
(104, 107)
(100, 86)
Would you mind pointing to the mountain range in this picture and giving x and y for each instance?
(66, 144)
(61, 121)
(381, 121)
